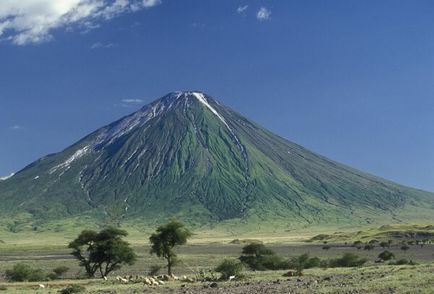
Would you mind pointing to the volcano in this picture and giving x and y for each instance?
(187, 156)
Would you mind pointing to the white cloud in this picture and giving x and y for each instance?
(32, 21)
(16, 127)
(242, 9)
(263, 14)
(99, 45)
(132, 101)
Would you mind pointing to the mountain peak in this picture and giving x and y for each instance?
(185, 155)
(185, 95)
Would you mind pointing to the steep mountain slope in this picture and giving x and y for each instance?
(187, 156)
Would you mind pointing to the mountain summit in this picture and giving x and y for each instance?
(187, 156)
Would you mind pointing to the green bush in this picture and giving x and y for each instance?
(229, 267)
(347, 260)
(304, 261)
(272, 262)
(72, 289)
(402, 262)
(257, 249)
(23, 272)
(60, 270)
(405, 247)
(258, 257)
(368, 247)
(386, 255)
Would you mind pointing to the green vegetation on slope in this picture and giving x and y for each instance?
(177, 158)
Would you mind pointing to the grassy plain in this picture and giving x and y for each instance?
(205, 251)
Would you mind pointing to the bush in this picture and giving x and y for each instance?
(402, 262)
(258, 257)
(229, 267)
(386, 255)
(154, 270)
(60, 271)
(72, 289)
(348, 260)
(368, 247)
(384, 244)
(23, 272)
(272, 262)
(304, 261)
(358, 244)
(405, 247)
(257, 249)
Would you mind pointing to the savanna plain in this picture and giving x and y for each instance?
(409, 270)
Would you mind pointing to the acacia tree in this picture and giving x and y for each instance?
(164, 240)
(102, 251)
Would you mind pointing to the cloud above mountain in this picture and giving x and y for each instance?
(32, 21)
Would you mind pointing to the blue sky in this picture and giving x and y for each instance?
(352, 80)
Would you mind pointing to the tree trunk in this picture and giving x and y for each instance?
(169, 266)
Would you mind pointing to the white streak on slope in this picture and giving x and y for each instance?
(7, 177)
(203, 100)
(79, 153)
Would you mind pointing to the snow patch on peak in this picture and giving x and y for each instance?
(7, 177)
(201, 97)
(78, 154)
(204, 101)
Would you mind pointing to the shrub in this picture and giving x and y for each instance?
(358, 244)
(257, 249)
(206, 276)
(386, 255)
(258, 257)
(60, 270)
(229, 267)
(304, 261)
(72, 289)
(384, 244)
(405, 247)
(23, 272)
(273, 262)
(347, 260)
(402, 262)
(154, 269)
(368, 247)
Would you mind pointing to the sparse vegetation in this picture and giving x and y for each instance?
(23, 272)
(347, 260)
(258, 257)
(304, 261)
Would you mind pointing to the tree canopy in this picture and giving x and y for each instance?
(102, 251)
(164, 240)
